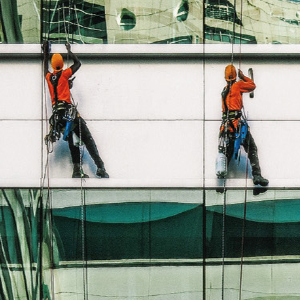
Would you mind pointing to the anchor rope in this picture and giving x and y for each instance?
(246, 172)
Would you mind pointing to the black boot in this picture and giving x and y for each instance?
(78, 172)
(259, 180)
(101, 172)
(259, 190)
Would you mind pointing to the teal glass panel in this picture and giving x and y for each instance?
(19, 244)
(271, 229)
(117, 233)
(131, 231)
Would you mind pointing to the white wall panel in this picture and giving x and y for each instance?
(139, 89)
(157, 283)
(146, 117)
(276, 96)
(21, 155)
(278, 155)
(142, 150)
(21, 89)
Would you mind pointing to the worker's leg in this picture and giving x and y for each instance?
(251, 148)
(230, 146)
(75, 155)
(83, 132)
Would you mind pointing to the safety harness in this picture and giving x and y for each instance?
(63, 116)
(228, 117)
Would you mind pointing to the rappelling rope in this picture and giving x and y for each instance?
(48, 206)
(82, 192)
(78, 25)
(203, 168)
(246, 177)
(226, 140)
(246, 173)
(45, 172)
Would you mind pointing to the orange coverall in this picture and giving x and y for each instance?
(234, 103)
(234, 98)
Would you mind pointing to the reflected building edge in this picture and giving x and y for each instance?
(146, 22)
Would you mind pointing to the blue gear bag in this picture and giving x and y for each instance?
(240, 136)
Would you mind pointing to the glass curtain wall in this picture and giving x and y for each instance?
(138, 243)
(146, 22)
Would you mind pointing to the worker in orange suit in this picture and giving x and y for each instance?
(65, 118)
(232, 104)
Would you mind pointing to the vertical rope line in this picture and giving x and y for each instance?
(223, 242)
(224, 186)
(69, 20)
(73, 23)
(83, 225)
(49, 19)
(233, 30)
(82, 191)
(241, 29)
(78, 25)
(48, 206)
(243, 235)
(203, 167)
(45, 171)
(246, 177)
(66, 31)
(149, 243)
(40, 205)
(53, 15)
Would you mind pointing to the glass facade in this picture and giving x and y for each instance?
(146, 22)
(143, 233)
(149, 243)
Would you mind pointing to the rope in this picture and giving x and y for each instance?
(45, 174)
(241, 29)
(40, 204)
(246, 177)
(45, 171)
(49, 20)
(82, 192)
(83, 225)
(243, 233)
(78, 25)
(203, 167)
(226, 141)
(64, 21)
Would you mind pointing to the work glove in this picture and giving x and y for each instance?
(241, 74)
(46, 47)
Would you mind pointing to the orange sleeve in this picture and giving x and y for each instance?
(68, 73)
(247, 85)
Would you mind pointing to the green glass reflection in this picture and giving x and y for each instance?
(146, 22)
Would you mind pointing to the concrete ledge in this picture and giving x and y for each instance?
(98, 183)
(157, 50)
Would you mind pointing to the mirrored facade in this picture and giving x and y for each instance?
(187, 242)
(148, 243)
(147, 22)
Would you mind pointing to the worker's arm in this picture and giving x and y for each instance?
(46, 57)
(76, 65)
(246, 83)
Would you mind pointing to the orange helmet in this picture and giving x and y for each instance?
(230, 73)
(57, 62)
